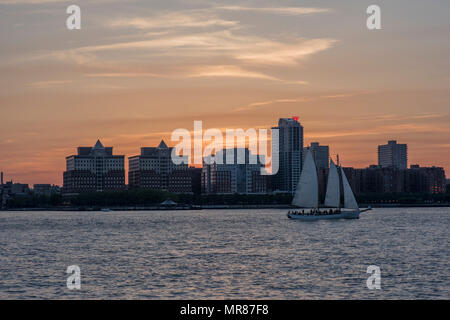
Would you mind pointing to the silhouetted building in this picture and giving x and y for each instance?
(321, 155)
(425, 179)
(242, 177)
(290, 145)
(376, 179)
(14, 189)
(94, 169)
(322, 175)
(10, 189)
(46, 189)
(393, 155)
(154, 169)
(196, 179)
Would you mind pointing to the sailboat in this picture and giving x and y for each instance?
(307, 195)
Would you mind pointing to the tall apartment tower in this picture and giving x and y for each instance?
(321, 155)
(94, 169)
(393, 155)
(290, 155)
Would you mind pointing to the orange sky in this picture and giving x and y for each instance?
(134, 73)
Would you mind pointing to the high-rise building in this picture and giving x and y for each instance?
(321, 155)
(290, 155)
(393, 155)
(154, 169)
(94, 169)
(242, 176)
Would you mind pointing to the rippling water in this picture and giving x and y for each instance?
(224, 254)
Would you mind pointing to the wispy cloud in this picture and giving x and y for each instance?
(299, 99)
(123, 75)
(381, 129)
(206, 17)
(288, 11)
(243, 49)
(173, 20)
(398, 117)
(286, 54)
(229, 71)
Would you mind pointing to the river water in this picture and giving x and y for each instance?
(224, 254)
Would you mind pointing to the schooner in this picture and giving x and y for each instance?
(307, 195)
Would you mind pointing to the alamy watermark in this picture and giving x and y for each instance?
(210, 147)
(374, 281)
(374, 20)
(73, 22)
(74, 280)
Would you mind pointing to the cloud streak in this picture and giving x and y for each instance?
(174, 20)
(287, 11)
(229, 71)
(299, 99)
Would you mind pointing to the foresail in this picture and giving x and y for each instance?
(307, 191)
(333, 195)
(349, 197)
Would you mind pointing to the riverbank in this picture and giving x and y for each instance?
(216, 207)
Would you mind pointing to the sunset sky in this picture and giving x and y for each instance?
(137, 70)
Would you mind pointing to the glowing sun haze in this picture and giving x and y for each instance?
(137, 70)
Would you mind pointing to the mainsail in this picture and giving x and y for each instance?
(307, 192)
(349, 197)
(333, 196)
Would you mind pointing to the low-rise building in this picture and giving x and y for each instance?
(377, 179)
(15, 189)
(46, 189)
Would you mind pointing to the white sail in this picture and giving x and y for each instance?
(349, 197)
(333, 196)
(307, 191)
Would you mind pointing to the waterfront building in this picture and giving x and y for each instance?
(11, 188)
(416, 179)
(425, 179)
(243, 177)
(154, 169)
(94, 169)
(45, 189)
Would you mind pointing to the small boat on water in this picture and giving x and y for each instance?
(106, 210)
(307, 195)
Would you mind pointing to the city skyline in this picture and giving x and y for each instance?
(136, 71)
(86, 150)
